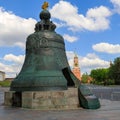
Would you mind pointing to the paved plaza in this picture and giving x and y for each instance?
(104, 92)
(110, 110)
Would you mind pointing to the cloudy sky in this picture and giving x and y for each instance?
(91, 29)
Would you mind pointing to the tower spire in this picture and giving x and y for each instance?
(76, 68)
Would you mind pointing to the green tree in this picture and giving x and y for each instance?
(114, 71)
(85, 78)
(100, 76)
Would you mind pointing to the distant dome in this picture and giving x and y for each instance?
(45, 14)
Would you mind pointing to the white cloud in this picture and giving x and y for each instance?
(116, 4)
(16, 59)
(59, 24)
(11, 69)
(14, 29)
(70, 38)
(107, 48)
(91, 56)
(93, 63)
(70, 54)
(88, 62)
(96, 18)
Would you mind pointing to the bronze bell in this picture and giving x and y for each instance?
(45, 66)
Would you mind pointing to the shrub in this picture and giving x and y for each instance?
(5, 83)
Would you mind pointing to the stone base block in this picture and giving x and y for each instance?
(46, 100)
(8, 98)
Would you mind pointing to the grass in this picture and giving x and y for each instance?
(5, 83)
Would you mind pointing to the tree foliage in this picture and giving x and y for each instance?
(100, 75)
(114, 71)
(105, 76)
(85, 78)
(5, 83)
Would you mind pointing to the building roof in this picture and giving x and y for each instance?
(2, 72)
(10, 79)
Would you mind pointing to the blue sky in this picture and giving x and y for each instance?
(91, 29)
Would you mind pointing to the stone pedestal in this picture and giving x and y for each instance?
(46, 100)
(8, 98)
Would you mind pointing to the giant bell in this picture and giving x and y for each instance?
(46, 67)
(45, 62)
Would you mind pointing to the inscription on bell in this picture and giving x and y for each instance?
(37, 42)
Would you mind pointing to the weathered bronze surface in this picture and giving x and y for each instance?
(46, 67)
(45, 59)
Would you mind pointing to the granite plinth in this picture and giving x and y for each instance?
(46, 100)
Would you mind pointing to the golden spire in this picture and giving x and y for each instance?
(45, 5)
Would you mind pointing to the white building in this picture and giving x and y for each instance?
(2, 76)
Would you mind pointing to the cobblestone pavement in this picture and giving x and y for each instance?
(110, 110)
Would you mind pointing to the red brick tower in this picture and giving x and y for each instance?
(76, 68)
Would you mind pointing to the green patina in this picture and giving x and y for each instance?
(46, 67)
